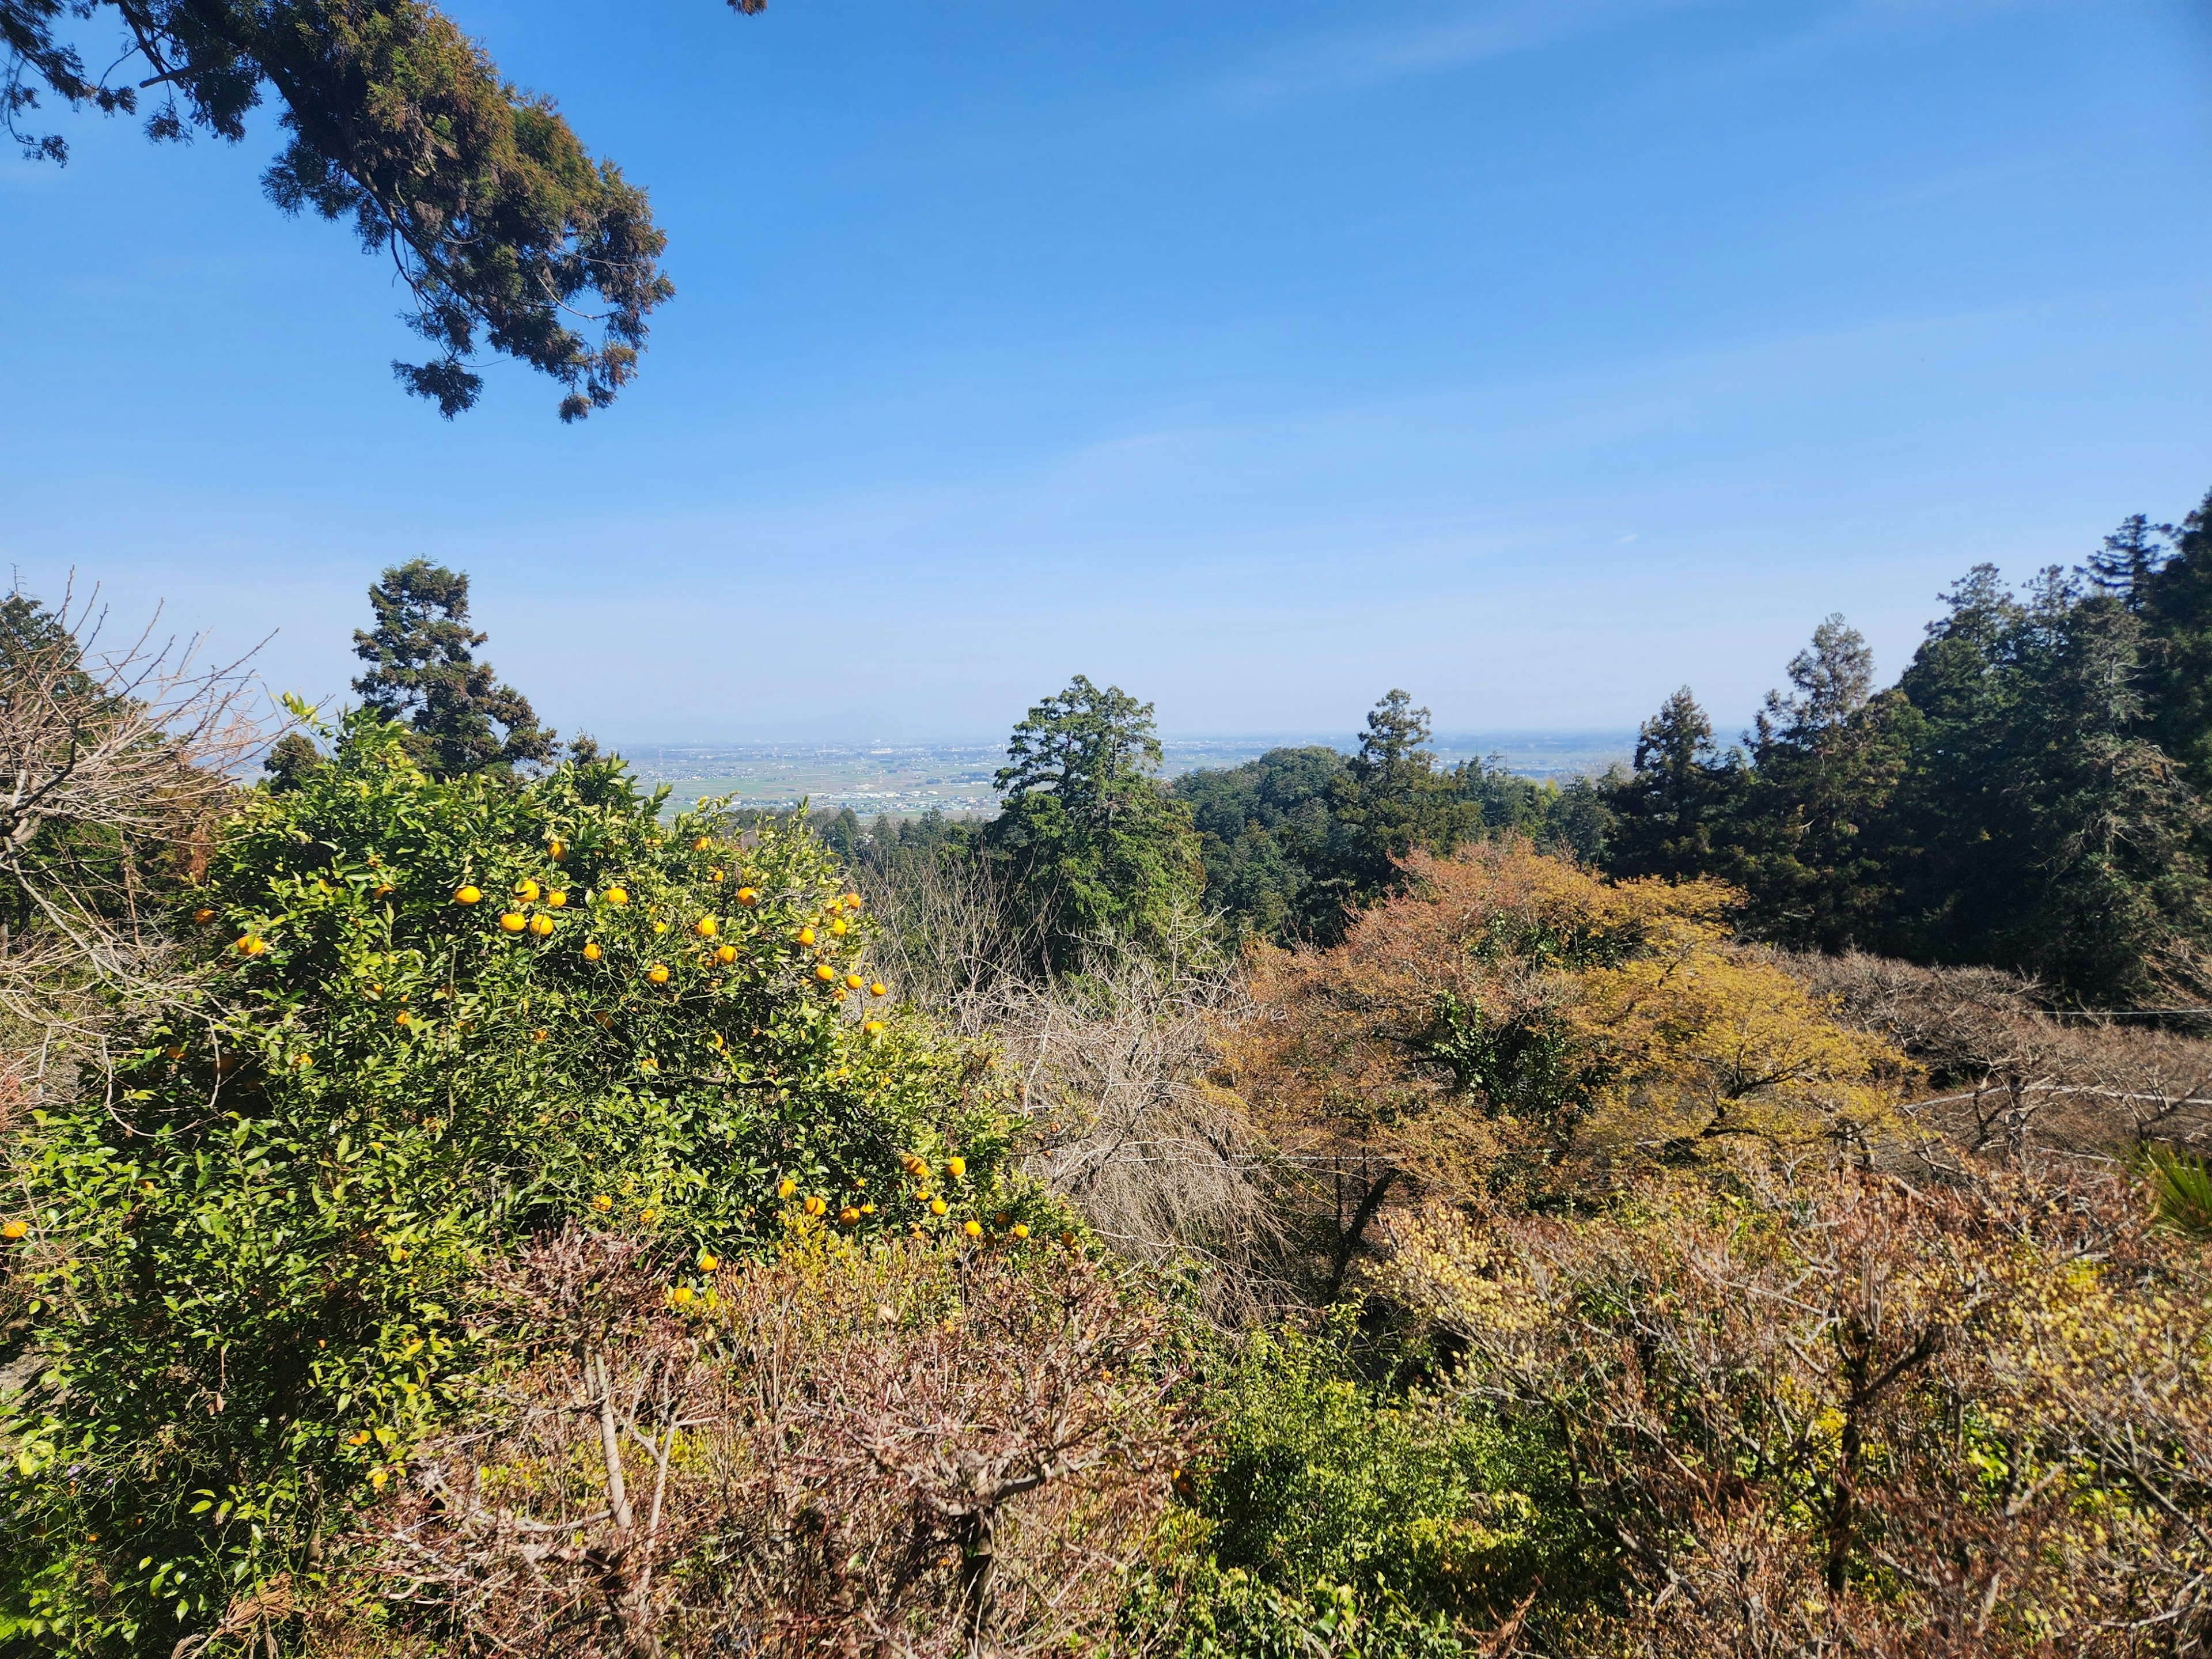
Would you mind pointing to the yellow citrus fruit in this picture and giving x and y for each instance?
(659, 926)
(853, 982)
(556, 900)
(848, 1215)
(680, 1295)
(873, 1027)
(806, 936)
(956, 1167)
(879, 989)
(706, 927)
(468, 896)
(840, 927)
(748, 897)
(1021, 1229)
(618, 896)
(557, 851)
(592, 951)
(601, 1201)
(785, 1188)
(541, 925)
(973, 1228)
(938, 1206)
(648, 1217)
(727, 954)
(714, 874)
(15, 1230)
(648, 1064)
(526, 889)
(203, 916)
(658, 974)
(382, 890)
(513, 922)
(825, 972)
(403, 1017)
(815, 1205)
(700, 845)
(708, 1261)
(852, 901)
(253, 945)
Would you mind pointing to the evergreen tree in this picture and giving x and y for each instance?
(1267, 833)
(291, 759)
(1668, 813)
(1392, 798)
(2178, 610)
(2130, 557)
(1827, 760)
(2122, 908)
(1096, 851)
(423, 671)
(504, 228)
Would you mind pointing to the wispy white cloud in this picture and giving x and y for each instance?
(1450, 37)
(1476, 32)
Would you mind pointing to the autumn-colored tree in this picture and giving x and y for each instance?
(1511, 1024)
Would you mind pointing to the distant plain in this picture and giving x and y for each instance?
(903, 780)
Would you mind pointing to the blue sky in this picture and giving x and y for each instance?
(1538, 356)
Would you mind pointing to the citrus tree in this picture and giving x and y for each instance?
(433, 1017)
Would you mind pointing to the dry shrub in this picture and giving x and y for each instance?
(1820, 1412)
(902, 1450)
(1125, 1121)
(1112, 1065)
(2011, 1078)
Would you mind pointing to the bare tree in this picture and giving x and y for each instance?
(1112, 1066)
(2011, 1078)
(114, 765)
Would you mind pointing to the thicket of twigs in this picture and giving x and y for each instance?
(836, 1451)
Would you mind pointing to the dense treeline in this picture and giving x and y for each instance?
(2031, 795)
(2031, 792)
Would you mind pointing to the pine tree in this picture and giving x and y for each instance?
(1827, 760)
(2130, 557)
(1393, 798)
(1672, 810)
(423, 671)
(1096, 853)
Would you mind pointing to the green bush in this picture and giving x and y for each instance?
(433, 1017)
(1334, 1514)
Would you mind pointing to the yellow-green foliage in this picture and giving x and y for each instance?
(257, 1247)
(1509, 1010)
(1875, 1410)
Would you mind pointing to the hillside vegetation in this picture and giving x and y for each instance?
(1336, 1206)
